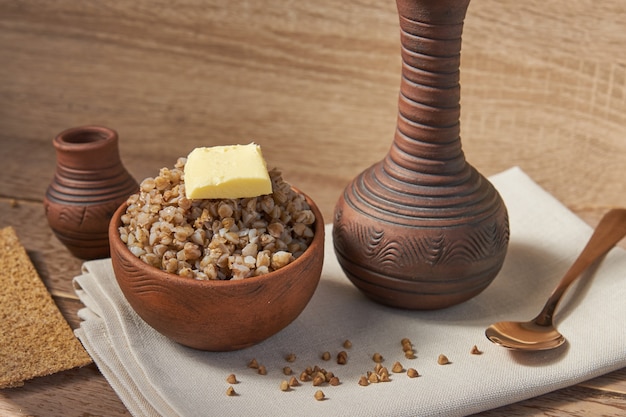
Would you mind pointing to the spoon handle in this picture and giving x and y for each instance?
(610, 230)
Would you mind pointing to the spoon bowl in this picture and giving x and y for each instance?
(522, 335)
(540, 333)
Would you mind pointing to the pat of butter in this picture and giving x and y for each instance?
(235, 171)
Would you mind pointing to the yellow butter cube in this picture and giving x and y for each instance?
(234, 171)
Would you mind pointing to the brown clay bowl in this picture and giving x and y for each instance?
(217, 315)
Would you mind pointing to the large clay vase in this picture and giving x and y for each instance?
(422, 229)
(89, 184)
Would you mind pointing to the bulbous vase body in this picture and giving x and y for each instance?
(89, 184)
(423, 229)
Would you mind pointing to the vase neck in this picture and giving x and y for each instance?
(427, 138)
(87, 148)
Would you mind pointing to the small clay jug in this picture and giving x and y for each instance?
(89, 184)
(423, 229)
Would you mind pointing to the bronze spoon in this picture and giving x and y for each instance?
(540, 333)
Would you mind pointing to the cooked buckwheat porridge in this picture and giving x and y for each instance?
(215, 239)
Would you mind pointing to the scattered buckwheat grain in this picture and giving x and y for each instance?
(443, 360)
(318, 380)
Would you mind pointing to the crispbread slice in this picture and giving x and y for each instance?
(35, 339)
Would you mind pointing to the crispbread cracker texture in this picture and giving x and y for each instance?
(35, 339)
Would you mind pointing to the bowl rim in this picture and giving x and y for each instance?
(318, 240)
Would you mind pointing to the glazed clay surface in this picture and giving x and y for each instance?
(423, 229)
(89, 184)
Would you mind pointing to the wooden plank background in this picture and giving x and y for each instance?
(316, 84)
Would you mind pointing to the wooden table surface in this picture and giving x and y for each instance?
(316, 84)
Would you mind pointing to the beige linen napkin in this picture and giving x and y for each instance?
(155, 376)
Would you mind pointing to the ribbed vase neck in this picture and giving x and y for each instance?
(89, 169)
(427, 139)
